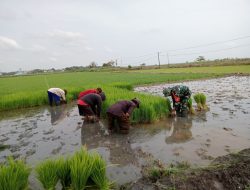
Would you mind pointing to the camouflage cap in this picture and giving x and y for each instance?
(167, 91)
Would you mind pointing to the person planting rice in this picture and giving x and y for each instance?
(57, 96)
(90, 106)
(89, 91)
(121, 111)
(180, 95)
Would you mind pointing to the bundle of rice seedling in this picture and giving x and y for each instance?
(99, 173)
(200, 99)
(203, 99)
(190, 106)
(168, 105)
(14, 175)
(81, 165)
(47, 174)
(63, 172)
(197, 99)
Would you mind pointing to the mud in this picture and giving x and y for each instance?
(39, 133)
(228, 172)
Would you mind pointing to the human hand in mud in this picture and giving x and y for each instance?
(173, 113)
(125, 115)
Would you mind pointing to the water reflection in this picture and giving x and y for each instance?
(94, 136)
(181, 130)
(58, 113)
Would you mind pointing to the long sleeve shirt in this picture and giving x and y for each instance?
(94, 101)
(59, 92)
(87, 92)
(122, 107)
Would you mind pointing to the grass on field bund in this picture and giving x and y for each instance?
(29, 91)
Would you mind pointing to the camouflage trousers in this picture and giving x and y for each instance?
(181, 107)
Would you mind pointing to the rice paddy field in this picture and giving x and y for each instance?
(50, 139)
(208, 69)
(30, 91)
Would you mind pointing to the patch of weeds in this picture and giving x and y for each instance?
(183, 165)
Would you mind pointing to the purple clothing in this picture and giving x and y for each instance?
(94, 101)
(122, 107)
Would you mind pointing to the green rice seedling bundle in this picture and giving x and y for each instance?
(168, 105)
(197, 99)
(200, 99)
(81, 167)
(190, 106)
(99, 173)
(14, 175)
(47, 174)
(63, 172)
(203, 99)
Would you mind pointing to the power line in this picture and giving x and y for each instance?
(210, 44)
(244, 45)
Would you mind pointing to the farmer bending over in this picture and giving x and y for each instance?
(57, 96)
(95, 91)
(121, 112)
(90, 106)
(180, 95)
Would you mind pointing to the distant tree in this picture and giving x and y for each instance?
(200, 58)
(129, 66)
(109, 64)
(93, 64)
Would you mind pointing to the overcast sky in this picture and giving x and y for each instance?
(62, 33)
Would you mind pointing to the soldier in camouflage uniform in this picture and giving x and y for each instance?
(180, 95)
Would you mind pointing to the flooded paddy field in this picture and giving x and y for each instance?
(38, 133)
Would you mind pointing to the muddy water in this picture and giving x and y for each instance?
(40, 133)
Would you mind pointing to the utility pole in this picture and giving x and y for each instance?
(168, 59)
(159, 59)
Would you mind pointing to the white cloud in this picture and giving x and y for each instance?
(66, 35)
(107, 49)
(8, 43)
(89, 48)
(53, 59)
(37, 48)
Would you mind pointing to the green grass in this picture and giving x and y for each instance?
(14, 175)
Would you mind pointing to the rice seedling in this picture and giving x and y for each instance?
(47, 174)
(14, 175)
(197, 99)
(190, 106)
(200, 99)
(81, 166)
(99, 173)
(63, 172)
(203, 99)
(29, 91)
